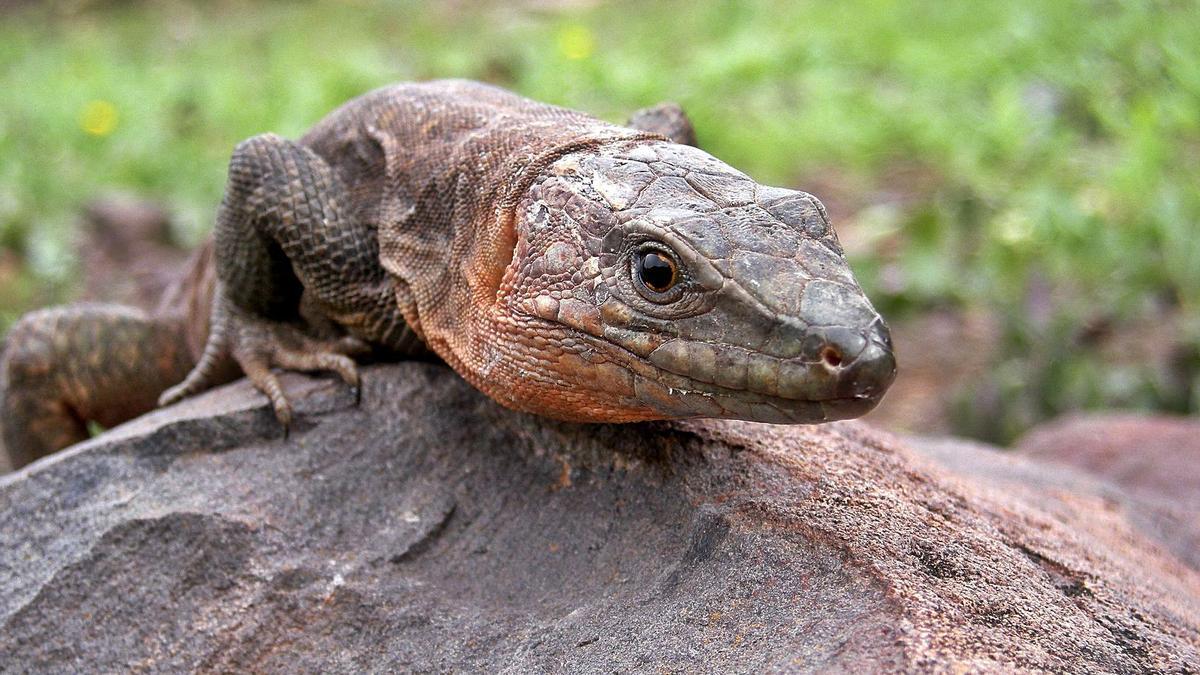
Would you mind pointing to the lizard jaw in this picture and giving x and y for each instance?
(845, 376)
(724, 381)
(673, 395)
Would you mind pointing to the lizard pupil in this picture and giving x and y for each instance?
(657, 272)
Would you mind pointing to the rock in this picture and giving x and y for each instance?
(1148, 454)
(126, 251)
(429, 529)
(1154, 458)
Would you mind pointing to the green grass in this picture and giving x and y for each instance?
(1038, 160)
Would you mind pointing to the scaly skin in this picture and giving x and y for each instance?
(520, 242)
(63, 367)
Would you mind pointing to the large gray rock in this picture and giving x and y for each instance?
(429, 529)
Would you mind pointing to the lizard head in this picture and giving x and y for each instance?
(667, 284)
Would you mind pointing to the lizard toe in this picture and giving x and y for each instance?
(349, 346)
(261, 347)
(307, 361)
(258, 370)
(204, 374)
(257, 346)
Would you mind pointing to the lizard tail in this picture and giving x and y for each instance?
(65, 367)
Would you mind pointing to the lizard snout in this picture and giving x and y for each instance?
(830, 363)
(863, 363)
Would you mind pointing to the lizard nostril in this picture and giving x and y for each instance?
(831, 356)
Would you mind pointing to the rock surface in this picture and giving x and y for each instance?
(429, 529)
(1153, 458)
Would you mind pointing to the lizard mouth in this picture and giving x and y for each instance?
(678, 395)
(727, 381)
(842, 374)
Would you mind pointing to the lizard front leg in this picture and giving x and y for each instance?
(283, 230)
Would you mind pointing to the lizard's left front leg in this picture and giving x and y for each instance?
(284, 230)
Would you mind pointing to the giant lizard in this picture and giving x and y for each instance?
(564, 266)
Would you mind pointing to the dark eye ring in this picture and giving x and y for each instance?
(656, 270)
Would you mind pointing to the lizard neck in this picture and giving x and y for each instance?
(461, 311)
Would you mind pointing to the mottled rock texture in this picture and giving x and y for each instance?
(429, 529)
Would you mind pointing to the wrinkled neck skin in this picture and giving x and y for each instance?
(763, 320)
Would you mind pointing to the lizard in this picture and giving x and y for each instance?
(563, 265)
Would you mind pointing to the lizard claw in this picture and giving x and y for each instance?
(258, 346)
(264, 346)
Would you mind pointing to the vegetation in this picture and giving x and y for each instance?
(1035, 161)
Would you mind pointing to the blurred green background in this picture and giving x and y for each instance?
(1017, 182)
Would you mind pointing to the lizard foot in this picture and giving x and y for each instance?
(257, 346)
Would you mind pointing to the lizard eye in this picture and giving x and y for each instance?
(655, 271)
